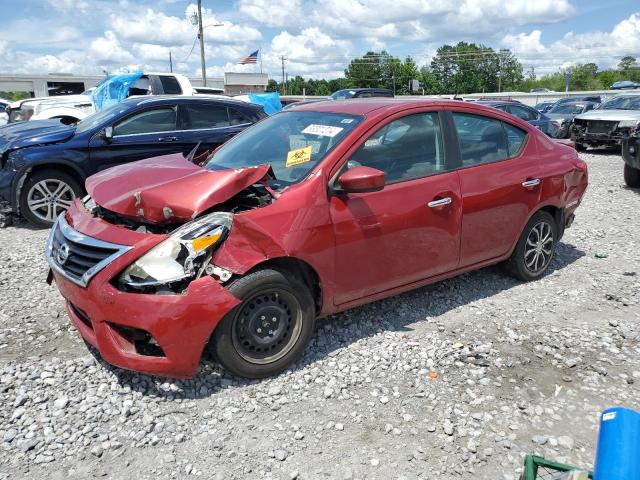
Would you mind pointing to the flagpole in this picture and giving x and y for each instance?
(260, 55)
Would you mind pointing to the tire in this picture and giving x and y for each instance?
(33, 201)
(241, 342)
(631, 176)
(580, 147)
(520, 263)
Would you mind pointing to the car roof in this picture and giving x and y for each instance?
(365, 106)
(151, 99)
(494, 103)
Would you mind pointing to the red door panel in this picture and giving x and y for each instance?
(392, 237)
(495, 206)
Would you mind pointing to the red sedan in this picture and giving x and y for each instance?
(307, 213)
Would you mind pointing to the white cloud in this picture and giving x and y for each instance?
(272, 13)
(108, 50)
(602, 48)
(159, 28)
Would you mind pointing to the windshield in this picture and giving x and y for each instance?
(623, 102)
(342, 94)
(569, 108)
(292, 142)
(98, 118)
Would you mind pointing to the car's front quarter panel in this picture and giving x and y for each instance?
(181, 324)
(71, 155)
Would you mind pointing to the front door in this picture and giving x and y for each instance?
(499, 185)
(143, 134)
(408, 231)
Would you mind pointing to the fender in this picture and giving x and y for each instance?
(21, 177)
(55, 112)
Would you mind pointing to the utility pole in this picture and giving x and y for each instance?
(170, 62)
(201, 36)
(284, 85)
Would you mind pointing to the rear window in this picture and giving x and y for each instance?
(170, 85)
(515, 139)
(199, 117)
(481, 139)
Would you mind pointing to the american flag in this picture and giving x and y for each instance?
(253, 58)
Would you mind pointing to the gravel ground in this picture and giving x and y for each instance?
(457, 380)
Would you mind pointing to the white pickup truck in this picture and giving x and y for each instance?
(73, 108)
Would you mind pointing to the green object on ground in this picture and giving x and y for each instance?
(601, 255)
(537, 468)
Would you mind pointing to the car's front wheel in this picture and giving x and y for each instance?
(45, 195)
(631, 176)
(269, 329)
(535, 248)
(580, 147)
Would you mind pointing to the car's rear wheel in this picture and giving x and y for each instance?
(631, 176)
(47, 194)
(269, 329)
(535, 249)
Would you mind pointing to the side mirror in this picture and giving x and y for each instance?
(361, 180)
(108, 133)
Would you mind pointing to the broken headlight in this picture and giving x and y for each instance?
(181, 256)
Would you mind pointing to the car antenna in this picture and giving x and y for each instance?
(193, 151)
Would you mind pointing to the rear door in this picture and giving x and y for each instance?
(499, 182)
(408, 231)
(212, 124)
(145, 133)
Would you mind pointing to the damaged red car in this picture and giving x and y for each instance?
(307, 213)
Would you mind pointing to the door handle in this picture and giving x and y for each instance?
(531, 183)
(168, 139)
(440, 202)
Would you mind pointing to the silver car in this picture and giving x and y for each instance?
(608, 124)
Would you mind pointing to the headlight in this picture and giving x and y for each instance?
(628, 123)
(182, 255)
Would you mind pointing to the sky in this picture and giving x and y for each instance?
(318, 39)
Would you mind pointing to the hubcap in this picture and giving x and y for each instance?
(539, 247)
(267, 326)
(49, 198)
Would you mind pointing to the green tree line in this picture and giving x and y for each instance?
(458, 69)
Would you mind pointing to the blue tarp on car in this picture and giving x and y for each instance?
(114, 89)
(270, 101)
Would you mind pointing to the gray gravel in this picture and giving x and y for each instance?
(457, 380)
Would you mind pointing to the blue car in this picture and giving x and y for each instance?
(526, 113)
(45, 163)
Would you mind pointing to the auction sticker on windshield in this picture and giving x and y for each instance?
(296, 157)
(322, 130)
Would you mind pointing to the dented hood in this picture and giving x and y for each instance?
(169, 188)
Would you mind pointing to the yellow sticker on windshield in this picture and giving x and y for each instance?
(296, 157)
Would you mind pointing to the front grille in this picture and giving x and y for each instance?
(76, 256)
(601, 126)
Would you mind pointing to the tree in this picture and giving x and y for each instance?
(365, 71)
(468, 68)
(627, 63)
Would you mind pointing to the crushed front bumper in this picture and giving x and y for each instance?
(150, 333)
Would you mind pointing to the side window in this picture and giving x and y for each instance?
(170, 85)
(407, 148)
(237, 118)
(515, 139)
(481, 139)
(149, 121)
(200, 116)
(522, 112)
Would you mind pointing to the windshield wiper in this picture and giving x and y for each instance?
(192, 153)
